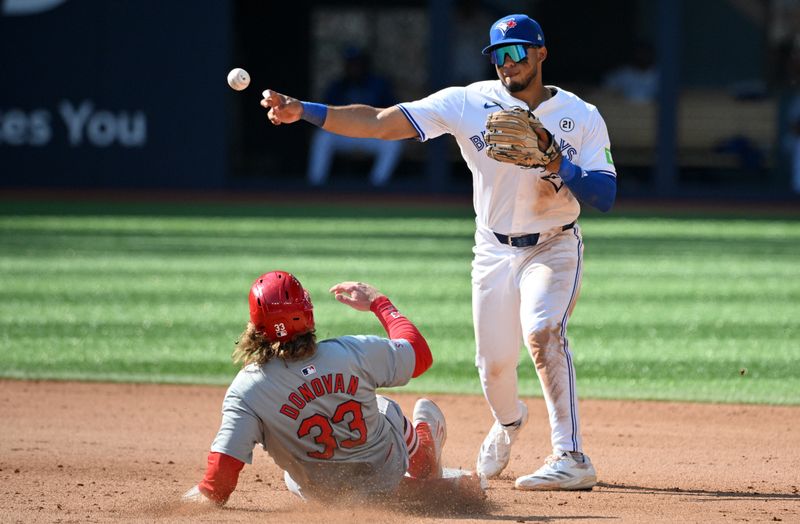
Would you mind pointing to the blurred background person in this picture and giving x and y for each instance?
(358, 85)
(794, 147)
(471, 18)
(785, 36)
(637, 80)
(791, 136)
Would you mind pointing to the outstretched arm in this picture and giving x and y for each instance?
(358, 121)
(364, 297)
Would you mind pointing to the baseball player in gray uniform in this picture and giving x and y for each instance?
(313, 406)
(528, 254)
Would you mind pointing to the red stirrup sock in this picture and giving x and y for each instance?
(422, 463)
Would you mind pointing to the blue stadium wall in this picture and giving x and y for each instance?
(116, 94)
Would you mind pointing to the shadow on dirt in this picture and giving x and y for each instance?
(627, 488)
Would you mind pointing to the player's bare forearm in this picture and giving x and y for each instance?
(362, 121)
(357, 121)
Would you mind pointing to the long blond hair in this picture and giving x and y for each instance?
(253, 348)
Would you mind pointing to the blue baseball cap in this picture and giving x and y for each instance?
(514, 29)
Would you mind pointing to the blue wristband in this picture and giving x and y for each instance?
(314, 113)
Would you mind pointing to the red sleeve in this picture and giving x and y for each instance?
(222, 474)
(398, 326)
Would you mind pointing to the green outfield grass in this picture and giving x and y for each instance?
(671, 307)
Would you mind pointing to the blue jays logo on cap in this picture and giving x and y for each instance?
(514, 29)
(505, 25)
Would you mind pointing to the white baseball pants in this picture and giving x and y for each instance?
(528, 293)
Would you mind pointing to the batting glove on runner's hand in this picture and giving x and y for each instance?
(516, 136)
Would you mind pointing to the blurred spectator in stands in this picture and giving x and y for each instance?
(358, 85)
(747, 152)
(637, 81)
(470, 18)
(784, 33)
(791, 136)
(794, 138)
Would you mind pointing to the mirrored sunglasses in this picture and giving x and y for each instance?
(516, 52)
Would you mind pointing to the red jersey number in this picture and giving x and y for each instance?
(325, 438)
(356, 425)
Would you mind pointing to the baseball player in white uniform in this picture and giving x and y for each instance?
(312, 405)
(528, 254)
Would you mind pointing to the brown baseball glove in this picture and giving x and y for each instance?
(516, 136)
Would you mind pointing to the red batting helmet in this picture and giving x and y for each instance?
(279, 306)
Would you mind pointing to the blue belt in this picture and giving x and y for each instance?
(525, 240)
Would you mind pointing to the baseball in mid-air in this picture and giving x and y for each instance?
(238, 78)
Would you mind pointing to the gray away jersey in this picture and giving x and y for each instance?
(320, 419)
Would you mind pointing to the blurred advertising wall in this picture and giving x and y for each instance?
(124, 93)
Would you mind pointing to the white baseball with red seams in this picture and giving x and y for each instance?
(238, 79)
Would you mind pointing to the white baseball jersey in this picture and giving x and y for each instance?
(525, 292)
(320, 419)
(509, 199)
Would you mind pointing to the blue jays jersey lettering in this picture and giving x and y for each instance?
(509, 199)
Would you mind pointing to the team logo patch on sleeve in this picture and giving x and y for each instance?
(309, 370)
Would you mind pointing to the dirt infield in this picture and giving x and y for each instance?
(83, 452)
